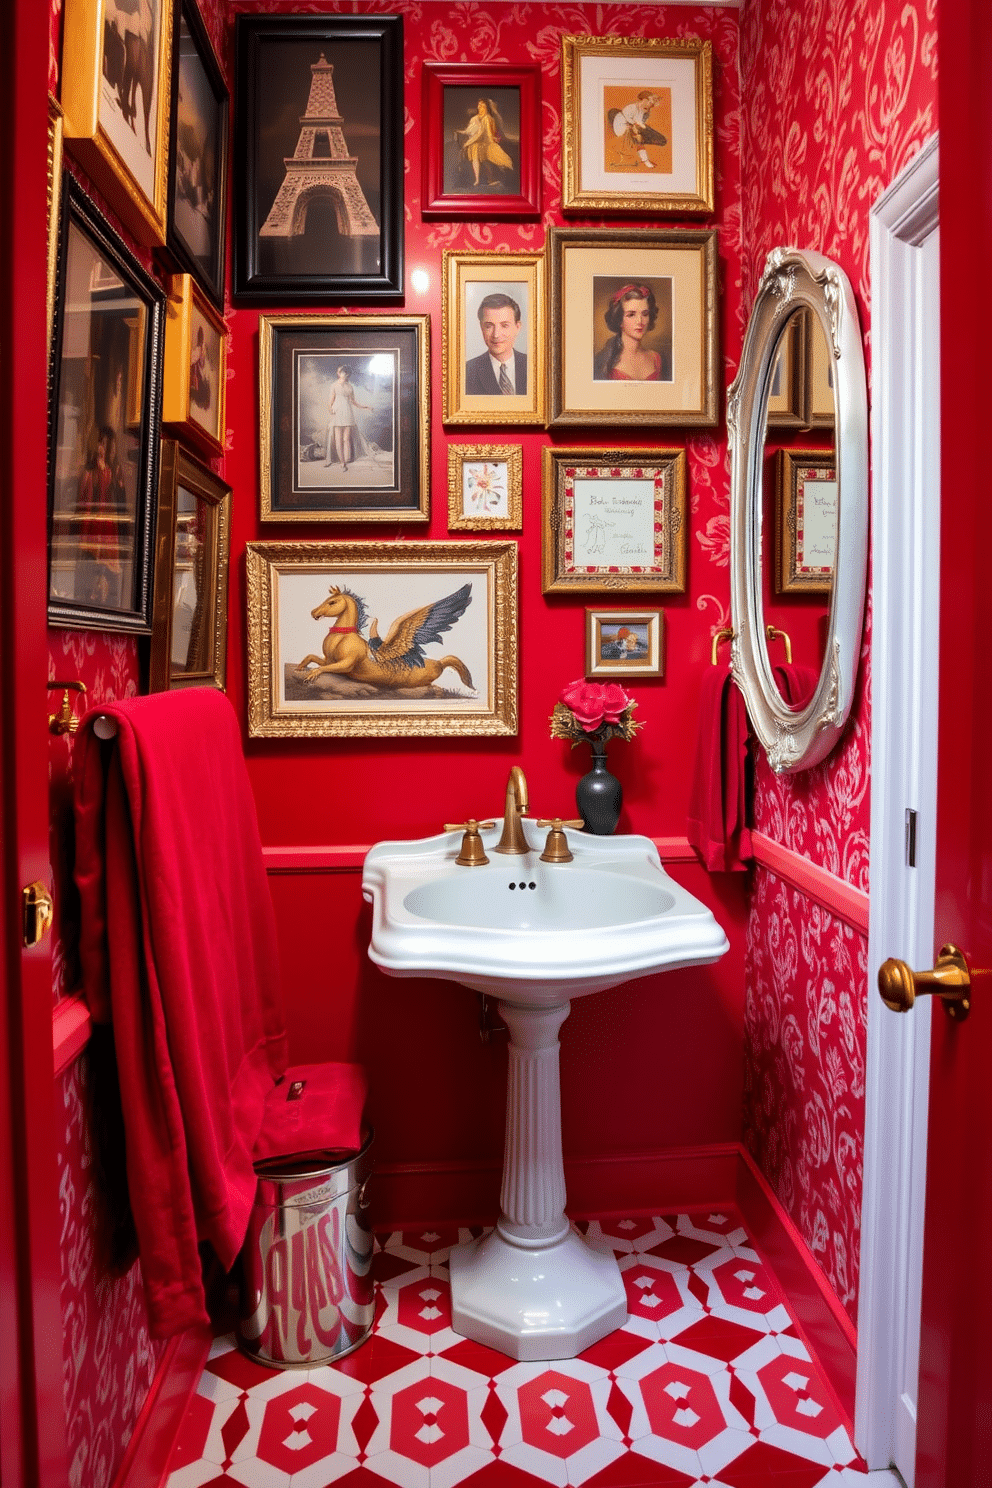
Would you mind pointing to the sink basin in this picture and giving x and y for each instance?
(534, 935)
(528, 932)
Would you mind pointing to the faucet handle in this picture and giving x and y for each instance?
(472, 854)
(556, 849)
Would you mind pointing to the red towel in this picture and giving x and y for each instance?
(176, 906)
(796, 683)
(717, 826)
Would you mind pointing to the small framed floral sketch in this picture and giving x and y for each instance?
(806, 521)
(482, 132)
(614, 521)
(637, 125)
(195, 366)
(115, 95)
(634, 326)
(189, 624)
(485, 486)
(493, 338)
(443, 663)
(625, 643)
(344, 403)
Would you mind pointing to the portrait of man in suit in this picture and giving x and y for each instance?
(501, 370)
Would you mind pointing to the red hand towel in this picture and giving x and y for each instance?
(796, 683)
(176, 907)
(717, 826)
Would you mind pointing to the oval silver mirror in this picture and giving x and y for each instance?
(799, 725)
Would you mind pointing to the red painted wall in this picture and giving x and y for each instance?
(837, 97)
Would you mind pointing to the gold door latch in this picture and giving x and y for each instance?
(950, 980)
(37, 912)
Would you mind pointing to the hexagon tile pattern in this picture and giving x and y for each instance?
(708, 1382)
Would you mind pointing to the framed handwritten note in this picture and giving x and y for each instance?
(806, 521)
(614, 521)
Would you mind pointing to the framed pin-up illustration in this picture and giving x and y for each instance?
(344, 403)
(625, 643)
(395, 638)
(634, 326)
(195, 366)
(613, 520)
(482, 141)
(637, 125)
(493, 338)
(115, 93)
(318, 209)
(105, 400)
(197, 155)
(485, 486)
(189, 624)
(806, 521)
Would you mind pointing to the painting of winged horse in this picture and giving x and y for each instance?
(355, 661)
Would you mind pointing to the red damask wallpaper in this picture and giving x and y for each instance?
(837, 96)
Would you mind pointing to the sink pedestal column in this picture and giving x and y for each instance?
(533, 1288)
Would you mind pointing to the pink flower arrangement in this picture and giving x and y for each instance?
(593, 710)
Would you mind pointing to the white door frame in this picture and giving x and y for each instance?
(904, 654)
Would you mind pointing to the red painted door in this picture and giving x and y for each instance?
(954, 1440)
(31, 1399)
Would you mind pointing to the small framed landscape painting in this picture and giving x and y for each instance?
(625, 643)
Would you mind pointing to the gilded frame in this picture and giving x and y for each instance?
(55, 130)
(591, 271)
(132, 174)
(485, 487)
(468, 279)
(602, 507)
(193, 399)
(617, 156)
(298, 361)
(625, 643)
(805, 514)
(192, 549)
(787, 390)
(398, 583)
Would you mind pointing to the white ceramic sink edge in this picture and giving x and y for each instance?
(550, 947)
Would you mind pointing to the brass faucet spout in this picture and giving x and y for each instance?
(512, 839)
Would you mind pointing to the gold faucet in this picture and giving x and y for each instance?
(513, 839)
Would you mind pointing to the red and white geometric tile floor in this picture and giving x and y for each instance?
(707, 1383)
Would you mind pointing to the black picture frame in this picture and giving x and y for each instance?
(105, 396)
(196, 234)
(309, 471)
(289, 246)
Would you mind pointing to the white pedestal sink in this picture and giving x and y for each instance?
(534, 935)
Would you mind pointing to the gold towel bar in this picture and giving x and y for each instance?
(780, 635)
(721, 635)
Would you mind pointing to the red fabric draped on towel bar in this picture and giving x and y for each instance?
(178, 948)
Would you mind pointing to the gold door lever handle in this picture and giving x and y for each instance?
(950, 980)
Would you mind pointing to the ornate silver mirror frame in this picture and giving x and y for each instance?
(796, 739)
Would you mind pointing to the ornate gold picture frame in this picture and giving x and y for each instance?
(806, 521)
(116, 82)
(192, 547)
(637, 125)
(493, 322)
(614, 521)
(625, 643)
(660, 368)
(195, 366)
(396, 638)
(485, 487)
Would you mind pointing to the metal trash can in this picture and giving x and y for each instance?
(306, 1266)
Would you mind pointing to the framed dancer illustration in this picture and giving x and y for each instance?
(345, 418)
(319, 143)
(482, 155)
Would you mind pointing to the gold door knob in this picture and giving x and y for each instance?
(37, 912)
(950, 980)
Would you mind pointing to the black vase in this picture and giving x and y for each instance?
(598, 794)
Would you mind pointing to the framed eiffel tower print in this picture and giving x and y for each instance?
(318, 212)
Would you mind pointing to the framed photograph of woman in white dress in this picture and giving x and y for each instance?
(482, 151)
(345, 418)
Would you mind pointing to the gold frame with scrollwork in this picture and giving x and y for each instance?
(87, 137)
(463, 456)
(288, 584)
